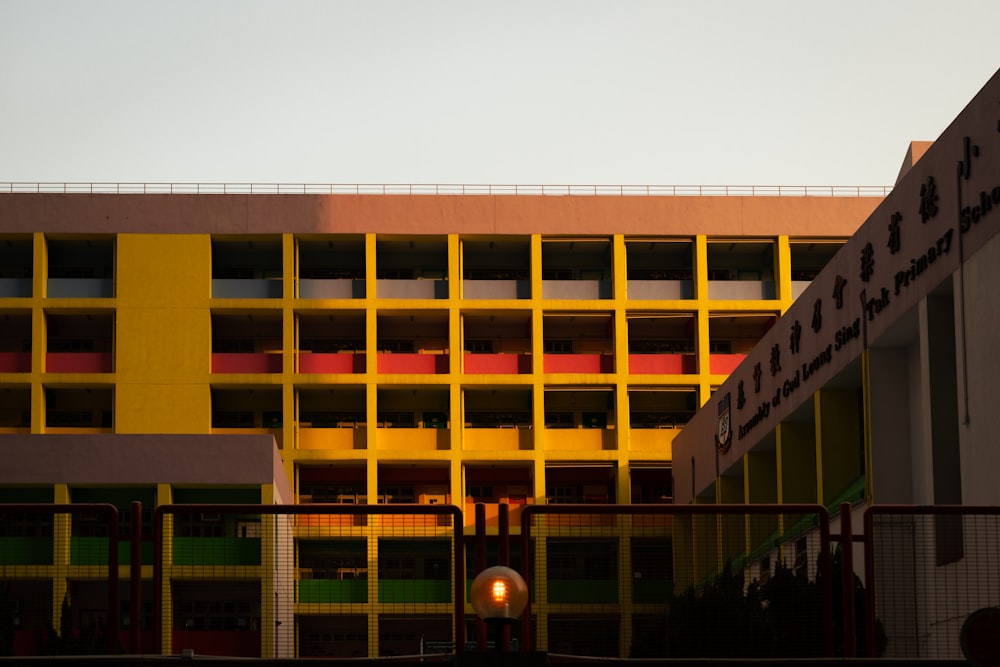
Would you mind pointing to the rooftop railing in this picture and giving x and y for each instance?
(452, 189)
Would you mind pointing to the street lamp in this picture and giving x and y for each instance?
(498, 595)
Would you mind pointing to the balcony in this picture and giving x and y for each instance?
(79, 409)
(246, 343)
(662, 364)
(498, 364)
(15, 288)
(332, 268)
(81, 268)
(247, 268)
(246, 362)
(80, 343)
(331, 288)
(412, 269)
(579, 363)
(79, 362)
(16, 255)
(576, 268)
(325, 362)
(741, 270)
(412, 363)
(15, 362)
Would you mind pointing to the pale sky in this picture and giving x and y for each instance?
(674, 92)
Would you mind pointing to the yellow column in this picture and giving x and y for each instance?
(783, 273)
(840, 450)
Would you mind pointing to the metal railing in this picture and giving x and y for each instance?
(449, 189)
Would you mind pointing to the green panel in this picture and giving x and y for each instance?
(25, 551)
(333, 590)
(652, 590)
(125, 552)
(88, 551)
(120, 497)
(583, 590)
(216, 551)
(27, 494)
(249, 496)
(414, 590)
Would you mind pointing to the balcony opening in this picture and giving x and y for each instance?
(733, 335)
(332, 407)
(341, 484)
(80, 343)
(497, 343)
(659, 269)
(15, 409)
(661, 343)
(215, 617)
(578, 342)
(15, 341)
(81, 267)
(414, 268)
(79, 409)
(246, 342)
(332, 343)
(808, 257)
(591, 407)
(413, 342)
(332, 268)
(740, 269)
(661, 407)
(652, 483)
(496, 268)
(257, 409)
(247, 268)
(576, 268)
(498, 408)
(16, 266)
(334, 635)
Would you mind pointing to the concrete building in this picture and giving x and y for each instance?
(876, 387)
(502, 346)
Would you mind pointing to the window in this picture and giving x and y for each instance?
(558, 347)
(396, 494)
(561, 494)
(479, 346)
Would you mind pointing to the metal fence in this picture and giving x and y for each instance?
(279, 581)
(452, 189)
(673, 581)
(930, 568)
(690, 582)
(59, 589)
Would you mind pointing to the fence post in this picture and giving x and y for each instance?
(135, 579)
(847, 580)
(503, 558)
(480, 566)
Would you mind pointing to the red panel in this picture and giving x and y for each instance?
(246, 362)
(325, 362)
(15, 362)
(661, 364)
(579, 363)
(78, 362)
(413, 363)
(509, 364)
(243, 644)
(724, 364)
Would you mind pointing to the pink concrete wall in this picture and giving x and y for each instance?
(433, 214)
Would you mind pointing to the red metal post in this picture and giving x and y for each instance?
(847, 580)
(480, 566)
(135, 580)
(503, 558)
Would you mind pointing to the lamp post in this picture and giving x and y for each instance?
(498, 596)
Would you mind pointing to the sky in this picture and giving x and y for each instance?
(669, 92)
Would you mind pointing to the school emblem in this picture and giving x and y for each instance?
(724, 434)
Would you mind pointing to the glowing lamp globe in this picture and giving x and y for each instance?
(498, 592)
